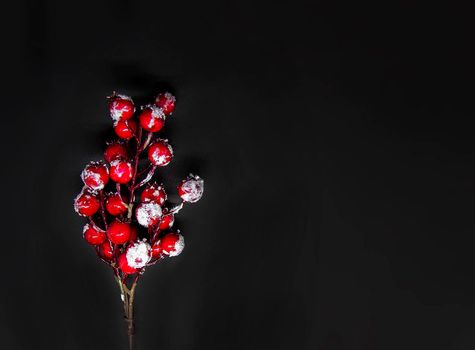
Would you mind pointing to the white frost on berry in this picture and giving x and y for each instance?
(138, 254)
(157, 112)
(179, 246)
(120, 171)
(115, 112)
(91, 178)
(163, 159)
(124, 97)
(148, 213)
(192, 189)
(88, 194)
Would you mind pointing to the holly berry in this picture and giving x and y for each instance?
(125, 129)
(118, 232)
(155, 193)
(115, 205)
(191, 189)
(95, 175)
(114, 151)
(156, 250)
(166, 222)
(160, 153)
(121, 107)
(138, 254)
(105, 250)
(93, 235)
(166, 101)
(148, 213)
(121, 171)
(152, 119)
(86, 204)
(124, 265)
(172, 244)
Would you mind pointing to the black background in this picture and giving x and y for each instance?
(336, 143)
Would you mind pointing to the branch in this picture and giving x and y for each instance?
(147, 178)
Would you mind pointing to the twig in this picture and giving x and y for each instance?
(147, 178)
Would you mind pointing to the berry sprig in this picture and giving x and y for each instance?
(131, 231)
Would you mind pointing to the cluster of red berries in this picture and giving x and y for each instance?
(131, 231)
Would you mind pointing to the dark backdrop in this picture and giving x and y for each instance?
(337, 148)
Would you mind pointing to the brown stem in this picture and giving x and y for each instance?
(103, 213)
(128, 296)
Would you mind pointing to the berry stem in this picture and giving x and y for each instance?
(103, 213)
(138, 150)
(147, 141)
(146, 178)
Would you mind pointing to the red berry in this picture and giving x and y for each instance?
(124, 265)
(155, 193)
(156, 250)
(93, 235)
(115, 205)
(172, 244)
(95, 175)
(166, 101)
(148, 213)
(121, 107)
(152, 119)
(125, 129)
(115, 151)
(133, 233)
(106, 251)
(86, 204)
(191, 189)
(160, 153)
(121, 171)
(118, 232)
(166, 222)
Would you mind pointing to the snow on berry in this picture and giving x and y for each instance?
(115, 150)
(148, 213)
(191, 189)
(138, 254)
(93, 235)
(172, 244)
(154, 192)
(166, 101)
(160, 153)
(152, 119)
(121, 171)
(86, 203)
(125, 129)
(95, 175)
(115, 205)
(121, 107)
